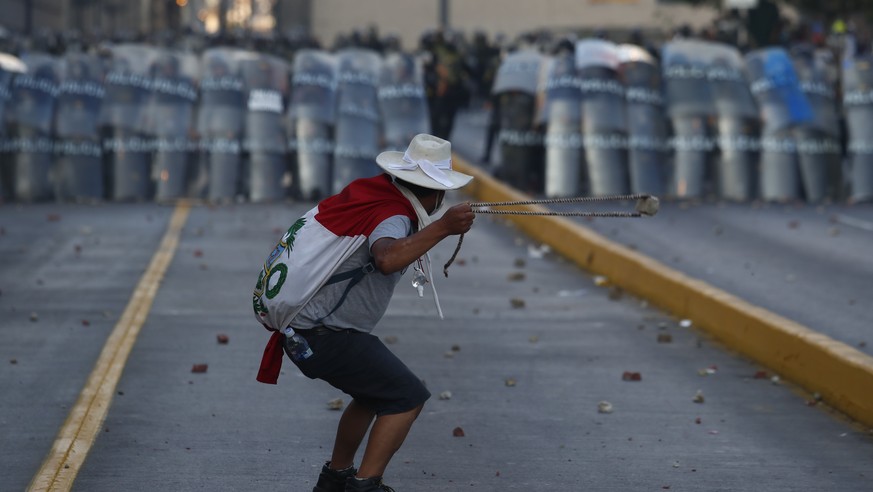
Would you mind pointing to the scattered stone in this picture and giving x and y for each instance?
(533, 339)
(775, 380)
(685, 323)
(446, 395)
(516, 303)
(199, 368)
(604, 407)
(198, 253)
(456, 348)
(665, 338)
(698, 421)
(519, 263)
(615, 293)
(13, 361)
(85, 322)
(862, 344)
(631, 376)
(698, 397)
(449, 354)
(516, 276)
(222, 339)
(458, 432)
(793, 224)
(53, 217)
(34, 317)
(336, 404)
(600, 281)
(510, 382)
(390, 339)
(761, 375)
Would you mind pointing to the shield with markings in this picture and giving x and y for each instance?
(646, 120)
(266, 174)
(516, 86)
(220, 124)
(858, 105)
(311, 120)
(127, 147)
(30, 115)
(77, 129)
(358, 126)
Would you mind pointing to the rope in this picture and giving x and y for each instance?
(484, 209)
(577, 199)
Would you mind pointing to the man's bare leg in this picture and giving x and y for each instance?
(386, 437)
(350, 432)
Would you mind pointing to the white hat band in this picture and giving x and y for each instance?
(432, 169)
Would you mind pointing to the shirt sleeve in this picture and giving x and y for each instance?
(395, 227)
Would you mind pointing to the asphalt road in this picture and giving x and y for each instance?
(809, 263)
(530, 346)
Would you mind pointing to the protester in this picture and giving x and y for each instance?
(370, 233)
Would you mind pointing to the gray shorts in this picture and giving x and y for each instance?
(361, 366)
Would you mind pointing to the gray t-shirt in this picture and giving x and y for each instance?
(367, 301)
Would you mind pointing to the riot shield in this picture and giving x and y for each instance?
(220, 124)
(738, 124)
(782, 106)
(858, 104)
(690, 106)
(779, 173)
(358, 123)
(520, 138)
(30, 115)
(647, 134)
(170, 122)
(9, 67)
(311, 117)
(818, 141)
(562, 113)
(123, 115)
(402, 101)
(265, 143)
(604, 122)
(77, 130)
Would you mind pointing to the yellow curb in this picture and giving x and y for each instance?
(841, 374)
(77, 435)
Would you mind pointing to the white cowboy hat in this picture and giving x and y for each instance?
(427, 162)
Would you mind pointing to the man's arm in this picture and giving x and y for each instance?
(393, 255)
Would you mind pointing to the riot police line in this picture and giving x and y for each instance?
(704, 121)
(228, 124)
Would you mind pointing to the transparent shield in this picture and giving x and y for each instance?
(402, 101)
(776, 87)
(520, 71)
(34, 93)
(314, 86)
(80, 97)
(687, 90)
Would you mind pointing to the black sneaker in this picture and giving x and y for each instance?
(373, 484)
(330, 480)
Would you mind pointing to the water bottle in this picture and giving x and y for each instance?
(298, 347)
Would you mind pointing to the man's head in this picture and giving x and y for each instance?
(425, 169)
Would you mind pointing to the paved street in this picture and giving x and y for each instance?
(528, 349)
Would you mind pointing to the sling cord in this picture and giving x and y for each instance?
(484, 208)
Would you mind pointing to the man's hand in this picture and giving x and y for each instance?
(458, 219)
(393, 255)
